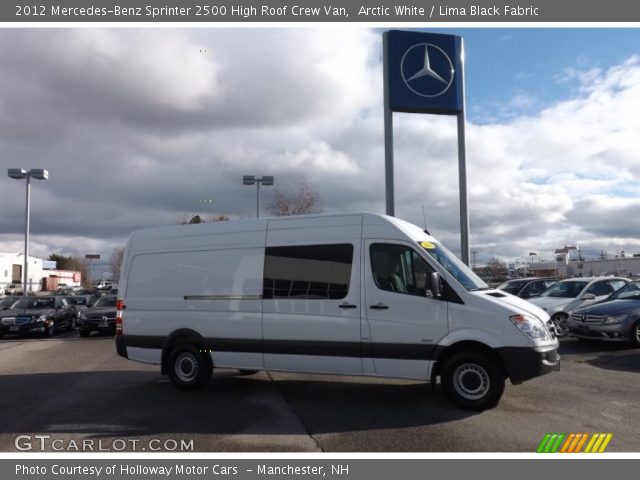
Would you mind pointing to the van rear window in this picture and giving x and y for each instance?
(308, 271)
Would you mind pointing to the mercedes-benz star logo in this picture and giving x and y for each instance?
(427, 70)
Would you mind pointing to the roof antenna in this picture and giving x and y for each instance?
(424, 220)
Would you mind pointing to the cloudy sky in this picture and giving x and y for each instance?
(137, 126)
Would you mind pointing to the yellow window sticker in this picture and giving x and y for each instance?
(427, 245)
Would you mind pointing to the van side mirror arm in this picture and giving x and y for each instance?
(435, 285)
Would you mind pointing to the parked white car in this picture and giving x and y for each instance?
(573, 293)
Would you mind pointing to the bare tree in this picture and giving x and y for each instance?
(300, 200)
(188, 219)
(495, 268)
(115, 262)
(75, 263)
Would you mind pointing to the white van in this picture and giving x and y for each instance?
(350, 294)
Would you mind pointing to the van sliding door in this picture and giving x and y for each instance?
(311, 307)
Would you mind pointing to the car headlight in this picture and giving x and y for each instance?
(615, 318)
(531, 327)
(82, 315)
(40, 319)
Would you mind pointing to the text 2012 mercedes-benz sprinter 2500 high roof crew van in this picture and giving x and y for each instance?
(351, 294)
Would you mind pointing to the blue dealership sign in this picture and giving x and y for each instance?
(423, 72)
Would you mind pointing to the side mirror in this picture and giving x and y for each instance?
(588, 296)
(435, 285)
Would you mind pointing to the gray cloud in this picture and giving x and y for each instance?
(138, 125)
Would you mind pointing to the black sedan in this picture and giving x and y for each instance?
(615, 319)
(7, 302)
(78, 303)
(43, 315)
(101, 317)
(527, 287)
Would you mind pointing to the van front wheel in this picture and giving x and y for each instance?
(189, 368)
(473, 381)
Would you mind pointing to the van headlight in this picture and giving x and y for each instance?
(531, 327)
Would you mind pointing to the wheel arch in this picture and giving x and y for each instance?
(182, 336)
(443, 353)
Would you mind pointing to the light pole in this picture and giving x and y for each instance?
(251, 180)
(22, 174)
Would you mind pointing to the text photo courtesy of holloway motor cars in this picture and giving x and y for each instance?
(320, 239)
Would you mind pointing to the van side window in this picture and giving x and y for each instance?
(308, 272)
(400, 269)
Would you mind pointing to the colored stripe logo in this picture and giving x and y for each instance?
(574, 443)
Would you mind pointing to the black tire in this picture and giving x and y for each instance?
(85, 333)
(635, 334)
(248, 372)
(559, 321)
(189, 368)
(473, 380)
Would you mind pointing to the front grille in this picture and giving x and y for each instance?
(594, 319)
(16, 320)
(587, 319)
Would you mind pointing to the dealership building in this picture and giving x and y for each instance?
(621, 265)
(43, 274)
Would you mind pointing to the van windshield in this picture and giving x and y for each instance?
(454, 266)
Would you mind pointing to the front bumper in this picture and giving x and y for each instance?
(614, 332)
(525, 363)
(23, 329)
(97, 325)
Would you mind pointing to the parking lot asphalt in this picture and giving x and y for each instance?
(75, 390)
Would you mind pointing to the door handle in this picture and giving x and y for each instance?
(347, 305)
(379, 306)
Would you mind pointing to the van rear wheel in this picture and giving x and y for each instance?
(189, 368)
(473, 381)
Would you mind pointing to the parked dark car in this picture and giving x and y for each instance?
(100, 317)
(615, 319)
(527, 287)
(6, 302)
(79, 303)
(42, 315)
(83, 291)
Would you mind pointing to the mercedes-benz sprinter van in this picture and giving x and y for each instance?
(349, 294)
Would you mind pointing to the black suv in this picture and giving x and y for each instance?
(100, 317)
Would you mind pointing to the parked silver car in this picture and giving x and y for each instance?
(572, 293)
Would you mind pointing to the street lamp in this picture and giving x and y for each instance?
(21, 174)
(265, 180)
